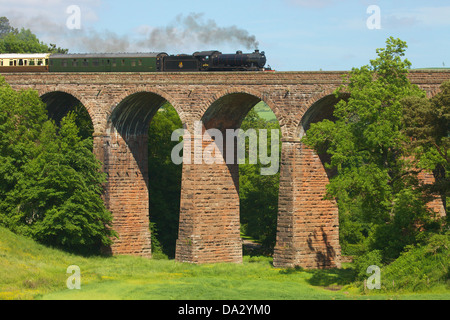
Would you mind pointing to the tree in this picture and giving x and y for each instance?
(24, 41)
(258, 193)
(367, 148)
(427, 123)
(50, 181)
(164, 180)
(5, 27)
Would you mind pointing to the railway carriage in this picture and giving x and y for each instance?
(24, 62)
(102, 62)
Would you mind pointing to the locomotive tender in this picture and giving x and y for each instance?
(133, 62)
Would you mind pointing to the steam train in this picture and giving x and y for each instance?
(133, 62)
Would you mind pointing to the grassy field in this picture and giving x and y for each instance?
(31, 271)
(265, 112)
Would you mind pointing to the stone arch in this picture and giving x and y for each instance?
(210, 209)
(249, 93)
(308, 224)
(318, 107)
(139, 97)
(126, 163)
(60, 102)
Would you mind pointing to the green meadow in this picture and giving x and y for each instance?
(31, 271)
(265, 112)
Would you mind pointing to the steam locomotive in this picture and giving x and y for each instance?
(133, 62)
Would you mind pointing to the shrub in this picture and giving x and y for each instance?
(421, 267)
(361, 263)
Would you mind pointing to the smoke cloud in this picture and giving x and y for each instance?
(100, 42)
(193, 29)
(184, 33)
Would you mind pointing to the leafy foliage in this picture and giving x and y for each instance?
(51, 183)
(258, 193)
(24, 41)
(164, 181)
(427, 123)
(420, 268)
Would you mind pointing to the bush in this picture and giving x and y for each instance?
(361, 263)
(421, 267)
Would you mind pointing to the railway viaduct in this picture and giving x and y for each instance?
(121, 106)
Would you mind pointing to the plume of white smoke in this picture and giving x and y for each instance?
(190, 32)
(194, 29)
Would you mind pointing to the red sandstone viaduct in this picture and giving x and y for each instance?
(121, 106)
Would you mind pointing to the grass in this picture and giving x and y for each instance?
(265, 112)
(31, 271)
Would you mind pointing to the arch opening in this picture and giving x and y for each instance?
(138, 171)
(250, 197)
(60, 103)
(322, 109)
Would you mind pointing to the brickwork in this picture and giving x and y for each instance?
(122, 104)
(308, 225)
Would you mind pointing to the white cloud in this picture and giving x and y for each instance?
(312, 3)
(424, 16)
(47, 19)
(44, 16)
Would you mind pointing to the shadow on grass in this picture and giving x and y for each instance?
(331, 277)
(325, 277)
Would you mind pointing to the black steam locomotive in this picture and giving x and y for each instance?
(216, 61)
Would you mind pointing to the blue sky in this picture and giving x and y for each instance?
(295, 34)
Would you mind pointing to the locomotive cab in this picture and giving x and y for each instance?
(205, 58)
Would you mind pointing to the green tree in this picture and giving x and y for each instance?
(367, 148)
(427, 123)
(50, 182)
(164, 180)
(5, 27)
(83, 121)
(258, 193)
(24, 41)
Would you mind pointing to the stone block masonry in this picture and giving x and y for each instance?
(121, 106)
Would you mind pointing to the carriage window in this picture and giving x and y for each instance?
(95, 62)
(63, 63)
(85, 63)
(114, 64)
(123, 62)
(1, 63)
(32, 62)
(40, 62)
(20, 62)
(140, 62)
(133, 63)
(74, 63)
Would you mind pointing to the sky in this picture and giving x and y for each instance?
(296, 35)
